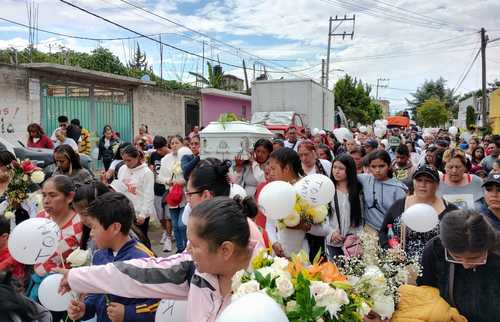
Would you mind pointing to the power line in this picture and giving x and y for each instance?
(164, 43)
(438, 21)
(467, 72)
(200, 33)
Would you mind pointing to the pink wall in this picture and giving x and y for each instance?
(213, 106)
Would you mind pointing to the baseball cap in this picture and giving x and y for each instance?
(372, 143)
(427, 170)
(493, 178)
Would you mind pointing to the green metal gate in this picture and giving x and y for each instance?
(95, 108)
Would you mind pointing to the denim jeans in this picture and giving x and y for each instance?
(179, 228)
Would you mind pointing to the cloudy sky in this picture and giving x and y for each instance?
(404, 41)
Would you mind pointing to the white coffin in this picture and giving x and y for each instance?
(225, 141)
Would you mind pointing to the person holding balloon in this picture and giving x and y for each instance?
(413, 239)
(346, 218)
(111, 217)
(380, 190)
(220, 244)
(7, 262)
(58, 193)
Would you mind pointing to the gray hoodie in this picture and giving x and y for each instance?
(378, 197)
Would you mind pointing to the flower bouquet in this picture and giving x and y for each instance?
(292, 239)
(378, 274)
(23, 174)
(317, 292)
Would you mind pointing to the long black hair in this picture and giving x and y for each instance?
(353, 185)
(14, 302)
(70, 154)
(287, 156)
(211, 174)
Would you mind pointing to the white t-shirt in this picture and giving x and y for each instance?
(327, 165)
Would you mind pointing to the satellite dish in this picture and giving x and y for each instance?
(146, 78)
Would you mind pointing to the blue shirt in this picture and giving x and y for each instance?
(135, 309)
(482, 207)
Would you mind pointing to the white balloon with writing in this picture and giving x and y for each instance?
(254, 307)
(237, 190)
(48, 294)
(34, 241)
(420, 217)
(277, 200)
(317, 189)
(171, 311)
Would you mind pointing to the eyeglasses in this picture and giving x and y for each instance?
(189, 194)
(480, 260)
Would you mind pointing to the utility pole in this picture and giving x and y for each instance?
(203, 61)
(381, 86)
(484, 102)
(323, 72)
(331, 33)
(161, 60)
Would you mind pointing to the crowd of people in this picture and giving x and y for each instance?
(163, 179)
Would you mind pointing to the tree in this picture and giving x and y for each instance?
(139, 61)
(354, 98)
(470, 116)
(431, 89)
(432, 113)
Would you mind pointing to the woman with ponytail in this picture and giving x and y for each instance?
(220, 244)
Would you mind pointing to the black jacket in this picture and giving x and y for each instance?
(476, 292)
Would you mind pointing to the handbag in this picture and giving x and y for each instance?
(352, 244)
(175, 195)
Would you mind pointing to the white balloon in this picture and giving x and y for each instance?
(377, 123)
(317, 189)
(48, 294)
(171, 311)
(453, 130)
(379, 131)
(277, 199)
(236, 189)
(343, 134)
(254, 307)
(315, 131)
(420, 217)
(34, 241)
(363, 129)
(384, 122)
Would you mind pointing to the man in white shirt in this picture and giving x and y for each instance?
(291, 142)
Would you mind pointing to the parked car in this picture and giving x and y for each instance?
(278, 122)
(43, 157)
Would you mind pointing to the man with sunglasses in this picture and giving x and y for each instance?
(489, 205)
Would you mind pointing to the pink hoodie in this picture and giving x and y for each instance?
(174, 277)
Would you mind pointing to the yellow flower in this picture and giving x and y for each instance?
(9, 215)
(318, 214)
(292, 220)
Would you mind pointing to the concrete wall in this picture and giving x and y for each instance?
(19, 102)
(162, 111)
(213, 106)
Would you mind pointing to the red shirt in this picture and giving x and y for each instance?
(10, 264)
(45, 143)
(71, 234)
(260, 219)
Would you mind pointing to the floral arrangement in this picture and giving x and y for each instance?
(23, 174)
(79, 257)
(305, 212)
(317, 292)
(378, 274)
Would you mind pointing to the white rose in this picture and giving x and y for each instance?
(375, 276)
(37, 176)
(247, 288)
(291, 306)
(292, 220)
(79, 257)
(280, 264)
(364, 309)
(383, 306)
(267, 270)
(320, 290)
(236, 280)
(9, 215)
(284, 286)
(25, 177)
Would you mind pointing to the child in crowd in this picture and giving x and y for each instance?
(7, 263)
(111, 216)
